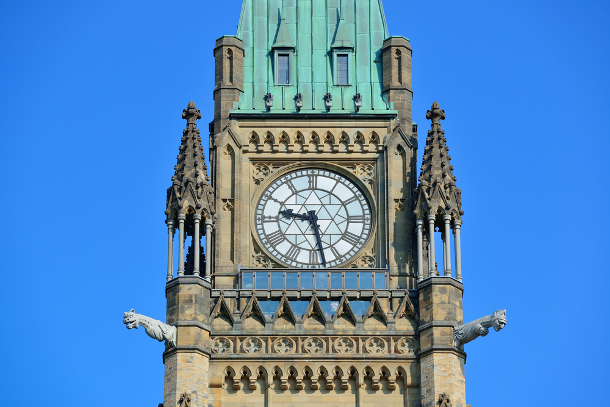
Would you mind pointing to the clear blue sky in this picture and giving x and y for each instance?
(91, 95)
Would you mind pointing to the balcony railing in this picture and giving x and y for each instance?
(294, 279)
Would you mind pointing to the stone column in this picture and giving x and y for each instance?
(447, 245)
(197, 219)
(431, 254)
(181, 219)
(208, 247)
(420, 251)
(170, 249)
(457, 224)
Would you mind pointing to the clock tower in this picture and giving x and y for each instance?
(306, 269)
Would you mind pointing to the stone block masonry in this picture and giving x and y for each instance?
(186, 372)
(443, 372)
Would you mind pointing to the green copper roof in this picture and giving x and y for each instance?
(282, 40)
(314, 29)
(341, 38)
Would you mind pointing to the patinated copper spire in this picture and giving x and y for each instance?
(190, 183)
(437, 188)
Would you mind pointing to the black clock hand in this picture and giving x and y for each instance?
(289, 214)
(314, 224)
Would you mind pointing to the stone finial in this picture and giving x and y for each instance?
(435, 113)
(191, 114)
(190, 183)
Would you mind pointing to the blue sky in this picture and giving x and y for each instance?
(90, 106)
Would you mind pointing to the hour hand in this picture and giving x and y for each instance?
(289, 214)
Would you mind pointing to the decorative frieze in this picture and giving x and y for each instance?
(312, 141)
(293, 345)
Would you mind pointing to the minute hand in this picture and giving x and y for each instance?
(314, 224)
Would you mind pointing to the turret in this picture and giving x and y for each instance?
(190, 199)
(439, 201)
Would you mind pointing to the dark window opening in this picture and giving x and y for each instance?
(283, 69)
(342, 70)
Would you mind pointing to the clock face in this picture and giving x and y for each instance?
(290, 207)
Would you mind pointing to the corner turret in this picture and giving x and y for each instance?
(439, 200)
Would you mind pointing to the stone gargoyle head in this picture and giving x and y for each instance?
(499, 319)
(130, 319)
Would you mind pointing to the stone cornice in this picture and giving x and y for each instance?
(437, 324)
(440, 281)
(193, 323)
(186, 349)
(312, 116)
(440, 349)
(188, 280)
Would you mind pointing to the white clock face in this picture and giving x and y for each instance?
(313, 219)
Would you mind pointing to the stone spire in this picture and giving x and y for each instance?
(437, 188)
(190, 183)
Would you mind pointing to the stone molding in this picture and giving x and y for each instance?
(193, 323)
(188, 349)
(188, 280)
(440, 281)
(431, 324)
(442, 348)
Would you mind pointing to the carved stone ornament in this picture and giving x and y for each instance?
(227, 205)
(222, 345)
(185, 400)
(345, 345)
(406, 346)
(284, 345)
(366, 261)
(314, 345)
(376, 345)
(154, 328)
(253, 345)
(261, 172)
(444, 401)
(468, 332)
(366, 172)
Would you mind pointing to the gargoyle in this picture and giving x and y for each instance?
(155, 329)
(468, 332)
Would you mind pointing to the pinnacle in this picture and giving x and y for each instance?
(190, 183)
(437, 182)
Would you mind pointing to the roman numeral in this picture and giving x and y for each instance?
(351, 238)
(275, 238)
(335, 252)
(313, 258)
(313, 181)
(293, 253)
(349, 201)
(292, 188)
(356, 218)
